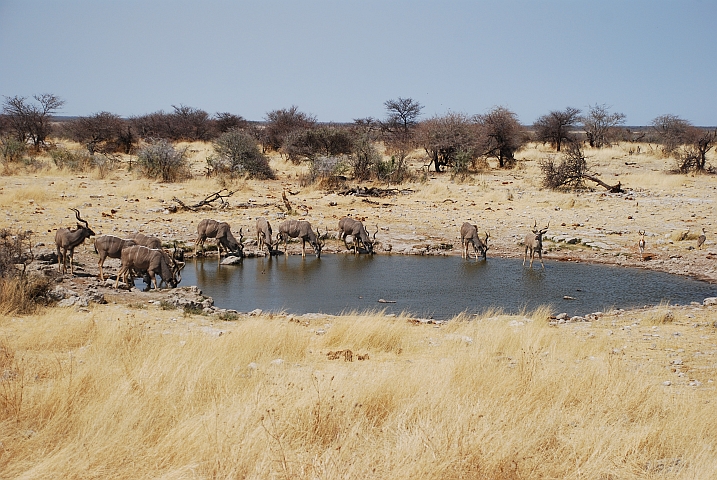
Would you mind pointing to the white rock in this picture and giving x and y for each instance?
(231, 260)
(709, 301)
(277, 362)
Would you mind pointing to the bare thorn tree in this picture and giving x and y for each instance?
(398, 130)
(571, 172)
(671, 131)
(31, 121)
(600, 125)
(504, 133)
(555, 127)
(452, 140)
(282, 123)
(100, 132)
(693, 155)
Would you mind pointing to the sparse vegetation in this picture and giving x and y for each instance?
(20, 292)
(160, 160)
(556, 128)
(12, 151)
(237, 154)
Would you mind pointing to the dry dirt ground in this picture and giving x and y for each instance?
(422, 217)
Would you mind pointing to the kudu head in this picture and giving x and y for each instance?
(539, 232)
(82, 224)
(369, 247)
(319, 244)
(175, 266)
(485, 245)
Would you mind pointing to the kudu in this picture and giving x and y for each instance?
(66, 240)
(263, 234)
(221, 231)
(146, 240)
(110, 246)
(359, 234)
(641, 243)
(534, 243)
(301, 229)
(469, 236)
(153, 261)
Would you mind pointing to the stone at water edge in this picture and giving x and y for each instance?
(709, 301)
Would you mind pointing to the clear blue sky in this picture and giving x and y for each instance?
(340, 60)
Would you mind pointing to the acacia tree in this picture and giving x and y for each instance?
(103, 132)
(308, 144)
(504, 133)
(452, 140)
(671, 131)
(225, 121)
(365, 157)
(555, 127)
(685, 142)
(31, 121)
(398, 131)
(600, 125)
(187, 123)
(282, 123)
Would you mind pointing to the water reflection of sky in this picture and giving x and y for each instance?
(440, 287)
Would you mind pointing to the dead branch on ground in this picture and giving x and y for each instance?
(208, 200)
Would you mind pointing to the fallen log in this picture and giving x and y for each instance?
(208, 200)
(612, 188)
(372, 191)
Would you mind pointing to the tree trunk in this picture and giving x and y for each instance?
(612, 188)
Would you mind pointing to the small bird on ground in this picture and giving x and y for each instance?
(701, 239)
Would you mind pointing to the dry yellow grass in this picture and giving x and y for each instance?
(122, 393)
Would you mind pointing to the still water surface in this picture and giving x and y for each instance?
(437, 287)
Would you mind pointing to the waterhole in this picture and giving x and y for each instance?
(432, 287)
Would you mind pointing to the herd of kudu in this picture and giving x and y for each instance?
(143, 255)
